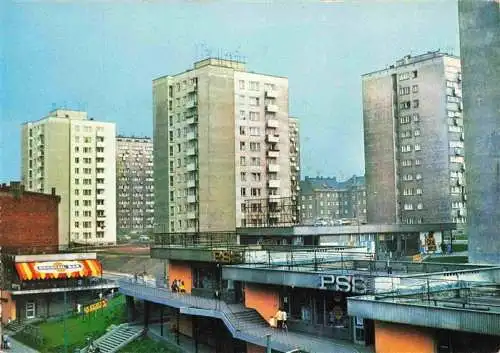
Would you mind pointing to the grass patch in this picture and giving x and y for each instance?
(460, 247)
(78, 328)
(147, 345)
(448, 259)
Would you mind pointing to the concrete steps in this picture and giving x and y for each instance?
(117, 338)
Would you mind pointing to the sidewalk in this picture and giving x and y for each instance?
(17, 347)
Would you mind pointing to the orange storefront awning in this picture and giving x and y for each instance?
(29, 271)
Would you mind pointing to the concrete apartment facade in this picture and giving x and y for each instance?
(480, 51)
(134, 185)
(324, 199)
(221, 138)
(75, 155)
(294, 133)
(414, 141)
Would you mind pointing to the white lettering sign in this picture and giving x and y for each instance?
(348, 284)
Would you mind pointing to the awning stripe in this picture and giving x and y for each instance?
(58, 269)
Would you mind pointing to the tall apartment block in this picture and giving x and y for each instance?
(325, 200)
(480, 51)
(294, 129)
(414, 141)
(221, 137)
(134, 185)
(74, 154)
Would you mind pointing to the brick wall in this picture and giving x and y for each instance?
(28, 220)
(182, 271)
(397, 338)
(263, 299)
(8, 307)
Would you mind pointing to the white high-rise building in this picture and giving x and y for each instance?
(75, 155)
(221, 148)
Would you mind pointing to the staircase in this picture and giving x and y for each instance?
(15, 326)
(117, 338)
(249, 319)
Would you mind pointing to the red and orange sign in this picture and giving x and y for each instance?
(29, 271)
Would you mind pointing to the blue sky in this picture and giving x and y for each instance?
(102, 55)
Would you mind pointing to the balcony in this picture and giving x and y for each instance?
(273, 108)
(191, 167)
(191, 88)
(273, 154)
(191, 199)
(191, 104)
(273, 123)
(273, 168)
(191, 136)
(191, 183)
(191, 151)
(271, 94)
(273, 184)
(191, 215)
(273, 138)
(192, 120)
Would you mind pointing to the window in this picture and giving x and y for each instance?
(87, 214)
(87, 192)
(406, 148)
(414, 74)
(416, 103)
(420, 206)
(418, 176)
(77, 149)
(418, 161)
(243, 176)
(242, 84)
(30, 310)
(419, 191)
(405, 119)
(242, 115)
(408, 177)
(87, 203)
(242, 130)
(255, 161)
(77, 160)
(243, 160)
(404, 91)
(408, 192)
(256, 176)
(418, 147)
(416, 132)
(406, 163)
(255, 191)
(404, 76)
(243, 192)
(405, 105)
(77, 224)
(254, 131)
(254, 116)
(416, 117)
(242, 146)
(414, 88)
(255, 146)
(408, 206)
(254, 101)
(254, 85)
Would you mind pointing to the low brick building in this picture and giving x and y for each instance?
(28, 219)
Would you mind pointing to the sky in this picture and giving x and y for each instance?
(101, 56)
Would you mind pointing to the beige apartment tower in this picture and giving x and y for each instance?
(75, 155)
(414, 141)
(221, 138)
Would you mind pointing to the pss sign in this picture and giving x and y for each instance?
(347, 284)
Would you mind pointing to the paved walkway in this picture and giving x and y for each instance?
(241, 329)
(17, 347)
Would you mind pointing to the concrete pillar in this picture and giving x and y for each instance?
(147, 309)
(130, 304)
